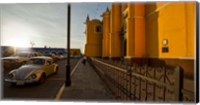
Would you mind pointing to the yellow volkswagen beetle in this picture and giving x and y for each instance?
(34, 71)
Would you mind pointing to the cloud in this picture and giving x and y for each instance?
(46, 24)
(47, 20)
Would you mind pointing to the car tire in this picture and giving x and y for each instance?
(13, 84)
(42, 79)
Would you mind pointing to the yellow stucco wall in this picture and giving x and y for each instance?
(93, 46)
(190, 26)
(173, 21)
(176, 24)
(106, 34)
(151, 29)
(147, 25)
(115, 26)
(75, 52)
(124, 6)
(136, 30)
(93, 50)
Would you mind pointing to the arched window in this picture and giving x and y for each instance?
(98, 28)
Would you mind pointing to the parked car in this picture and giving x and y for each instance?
(10, 63)
(24, 57)
(36, 70)
(53, 56)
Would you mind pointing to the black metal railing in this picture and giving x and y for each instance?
(142, 83)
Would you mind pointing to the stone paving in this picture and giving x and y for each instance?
(86, 86)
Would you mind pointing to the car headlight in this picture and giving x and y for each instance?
(32, 76)
(11, 76)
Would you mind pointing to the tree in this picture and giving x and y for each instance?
(32, 44)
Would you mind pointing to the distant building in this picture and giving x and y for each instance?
(75, 52)
(41, 50)
(17, 51)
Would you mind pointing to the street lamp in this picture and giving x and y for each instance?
(68, 79)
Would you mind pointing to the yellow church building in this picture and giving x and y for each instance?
(143, 33)
(93, 46)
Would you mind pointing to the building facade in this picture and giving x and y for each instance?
(146, 33)
(93, 46)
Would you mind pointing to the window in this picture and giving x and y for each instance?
(165, 49)
(36, 61)
(49, 62)
(98, 28)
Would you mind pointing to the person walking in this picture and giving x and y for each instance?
(84, 60)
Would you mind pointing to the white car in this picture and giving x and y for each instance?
(35, 71)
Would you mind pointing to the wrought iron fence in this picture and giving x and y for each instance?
(142, 83)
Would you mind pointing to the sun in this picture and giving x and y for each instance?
(18, 42)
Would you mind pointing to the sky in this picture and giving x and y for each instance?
(45, 24)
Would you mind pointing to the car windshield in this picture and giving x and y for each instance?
(37, 61)
(23, 54)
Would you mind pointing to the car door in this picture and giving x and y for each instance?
(47, 67)
(51, 66)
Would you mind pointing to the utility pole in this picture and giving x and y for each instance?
(68, 78)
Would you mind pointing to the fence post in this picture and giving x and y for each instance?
(178, 85)
(146, 82)
(130, 82)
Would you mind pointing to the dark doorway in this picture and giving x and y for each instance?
(123, 41)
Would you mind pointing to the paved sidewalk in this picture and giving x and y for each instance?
(86, 86)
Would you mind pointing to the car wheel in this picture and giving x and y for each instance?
(13, 84)
(42, 79)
